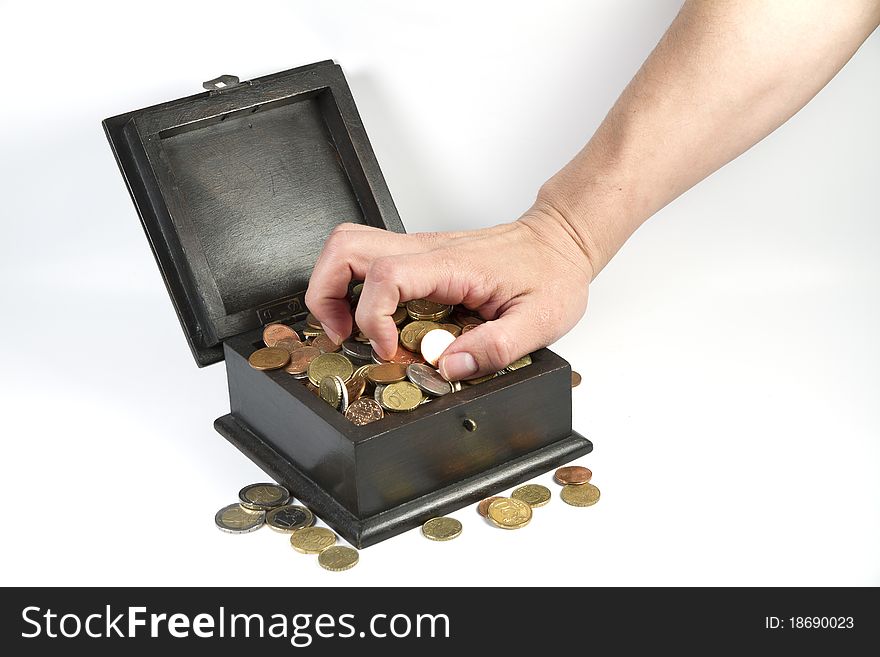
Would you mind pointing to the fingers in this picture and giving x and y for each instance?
(490, 346)
(389, 280)
(347, 255)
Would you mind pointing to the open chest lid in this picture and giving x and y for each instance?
(238, 187)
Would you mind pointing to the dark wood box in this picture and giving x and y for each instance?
(237, 189)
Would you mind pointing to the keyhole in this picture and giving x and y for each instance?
(469, 424)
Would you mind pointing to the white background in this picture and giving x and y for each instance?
(730, 353)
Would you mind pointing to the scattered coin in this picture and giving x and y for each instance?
(575, 379)
(532, 494)
(442, 529)
(573, 474)
(411, 334)
(269, 358)
(400, 315)
(289, 517)
(508, 513)
(428, 379)
(338, 558)
(312, 322)
(580, 495)
(480, 379)
(455, 329)
(363, 411)
(401, 396)
(262, 497)
(483, 506)
(434, 343)
(330, 365)
(311, 540)
(235, 519)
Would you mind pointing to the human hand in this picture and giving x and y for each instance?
(528, 278)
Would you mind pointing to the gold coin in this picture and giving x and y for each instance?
(455, 329)
(580, 494)
(312, 322)
(330, 390)
(269, 358)
(311, 540)
(235, 519)
(508, 513)
(422, 309)
(330, 365)
(483, 506)
(520, 362)
(263, 496)
(442, 529)
(399, 315)
(387, 373)
(363, 371)
(338, 558)
(411, 334)
(575, 379)
(289, 517)
(532, 494)
(401, 396)
(312, 332)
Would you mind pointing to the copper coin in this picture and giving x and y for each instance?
(363, 411)
(573, 474)
(272, 333)
(269, 358)
(355, 386)
(325, 344)
(301, 358)
(289, 343)
(387, 373)
(467, 320)
(468, 327)
(575, 379)
(483, 507)
(405, 357)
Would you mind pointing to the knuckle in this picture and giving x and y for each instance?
(384, 270)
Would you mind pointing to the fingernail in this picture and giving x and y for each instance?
(333, 335)
(456, 367)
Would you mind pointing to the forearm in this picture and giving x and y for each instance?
(723, 77)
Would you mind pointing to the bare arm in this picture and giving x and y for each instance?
(725, 75)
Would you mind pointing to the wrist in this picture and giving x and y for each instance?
(546, 225)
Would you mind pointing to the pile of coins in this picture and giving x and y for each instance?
(269, 504)
(353, 379)
(515, 512)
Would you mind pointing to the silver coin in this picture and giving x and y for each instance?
(456, 386)
(262, 497)
(289, 517)
(235, 519)
(342, 389)
(357, 350)
(377, 395)
(428, 379)
(376, 358)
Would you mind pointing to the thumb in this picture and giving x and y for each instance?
(489, 347)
